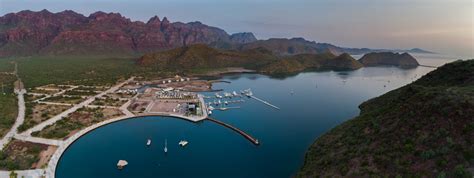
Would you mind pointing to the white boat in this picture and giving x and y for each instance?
(183, 143)
(148, 142)
(226, 103)
(121, 164)
(218, 96)
(248, 93)
(228, 95)
(166, 146)
(235, 93)
(219, 102)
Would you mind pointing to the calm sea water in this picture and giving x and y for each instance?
(321, 100)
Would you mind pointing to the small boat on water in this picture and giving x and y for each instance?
(148, 142)
(248, 92)
(183, 143)
(121, 164)
(226, 103)
(166, 146)
(227, 95)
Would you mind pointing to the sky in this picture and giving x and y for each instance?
(443, 26)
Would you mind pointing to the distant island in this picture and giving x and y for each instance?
(403, 60)
(424, 129)
(67, 33)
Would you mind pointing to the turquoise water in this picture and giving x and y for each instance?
(321, 100)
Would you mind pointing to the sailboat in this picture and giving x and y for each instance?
(166, 146)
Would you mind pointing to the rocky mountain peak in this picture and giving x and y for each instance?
(244, 37)
(99, 16)
(155, 20)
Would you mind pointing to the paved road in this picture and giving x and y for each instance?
(39, 140)
(56, 94)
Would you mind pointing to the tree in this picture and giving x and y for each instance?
(13, 174)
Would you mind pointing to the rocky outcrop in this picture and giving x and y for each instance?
(240, 38)
(403, 60)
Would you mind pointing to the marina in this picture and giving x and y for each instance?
(213, 141)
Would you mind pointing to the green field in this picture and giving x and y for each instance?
(40, 71)
(6, 65)
(8, 104)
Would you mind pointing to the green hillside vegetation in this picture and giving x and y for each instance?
(202, 57)
(38, 71)
(403, 60)
(8, 104)
(424, 129)
(301, 62)
(6, 65)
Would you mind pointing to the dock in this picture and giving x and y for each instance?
(227, 108)
(264, 102)
(247, 136)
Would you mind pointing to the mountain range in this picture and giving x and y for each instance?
(43, 33)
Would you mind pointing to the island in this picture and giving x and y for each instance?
(403, 60)
(423, 129)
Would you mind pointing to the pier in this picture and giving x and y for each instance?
(264, 102)
(247, 136)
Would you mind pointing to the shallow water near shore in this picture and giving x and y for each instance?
(320, 101)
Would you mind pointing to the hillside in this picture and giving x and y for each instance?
(403, 60)
(424, 129)
(301, 62)
(204, 57)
